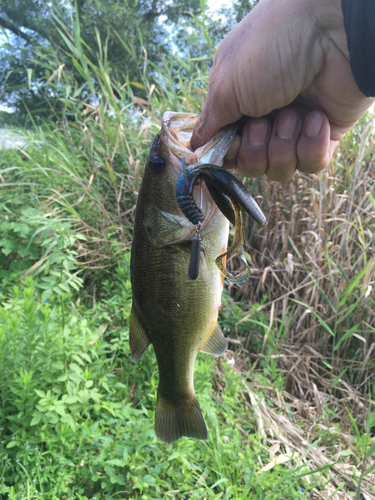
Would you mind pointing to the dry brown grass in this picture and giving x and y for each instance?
(315, 262)
(296, 432)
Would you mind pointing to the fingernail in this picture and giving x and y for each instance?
(314, 124)
(233, 149)
(258, 132)
(286, 126)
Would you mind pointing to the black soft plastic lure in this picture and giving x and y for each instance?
(232, 199)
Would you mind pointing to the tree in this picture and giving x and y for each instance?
(33, 29)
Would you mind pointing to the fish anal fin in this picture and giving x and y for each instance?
(172, 421)
(216, 344)
(138, 339)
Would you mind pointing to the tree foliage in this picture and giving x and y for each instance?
(131, 31)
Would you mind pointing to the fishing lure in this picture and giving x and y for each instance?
(232, 199)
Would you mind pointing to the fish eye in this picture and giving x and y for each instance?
(156, 164)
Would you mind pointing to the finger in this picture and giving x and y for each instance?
(214, 115)
(230, 159)
(315, 148)
(252, 158)
(282, 148)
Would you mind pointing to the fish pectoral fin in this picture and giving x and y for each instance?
(217, 343)
(138, 339)
(163, 228)
(179, 220)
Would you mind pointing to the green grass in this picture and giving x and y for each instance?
(77, 415)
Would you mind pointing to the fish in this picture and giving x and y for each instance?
(174, 313)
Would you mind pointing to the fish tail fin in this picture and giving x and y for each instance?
(173, 421)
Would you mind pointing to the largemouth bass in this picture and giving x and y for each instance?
(176, 314)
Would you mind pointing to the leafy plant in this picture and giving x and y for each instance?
(40, 243)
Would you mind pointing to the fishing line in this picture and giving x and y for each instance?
(200, 202)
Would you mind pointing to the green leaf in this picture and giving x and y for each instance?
(78, 359)
(371, 196)
(115, 461)
(371, 450)
(174, 455)
(339, 377)
(75, 368)
(109, 470)
(354, 283)
(344, 453)
(58, 365)
(149, 480)
(60, 410)
(346, 335)
(85, 356)
(321, 321)
(110, 171)
(36, 419)
(7, 246)
(12, 444)
(369, 470)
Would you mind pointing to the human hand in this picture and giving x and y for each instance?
(285, 68)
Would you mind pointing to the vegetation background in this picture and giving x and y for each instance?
(289, 407)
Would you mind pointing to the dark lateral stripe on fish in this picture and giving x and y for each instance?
(171, 423)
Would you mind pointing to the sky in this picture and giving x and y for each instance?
(216, 4)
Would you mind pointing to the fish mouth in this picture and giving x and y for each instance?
(177, 129)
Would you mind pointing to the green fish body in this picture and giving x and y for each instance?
(174, 313)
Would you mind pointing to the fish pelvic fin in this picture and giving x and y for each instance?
(138, 339)
(172, 421)
(217, 343)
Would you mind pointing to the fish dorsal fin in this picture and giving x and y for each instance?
(217, 343)
(138, 339)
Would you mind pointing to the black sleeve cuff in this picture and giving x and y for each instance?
(359, 20)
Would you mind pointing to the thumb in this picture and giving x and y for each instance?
(211, 120)
(220, 108)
